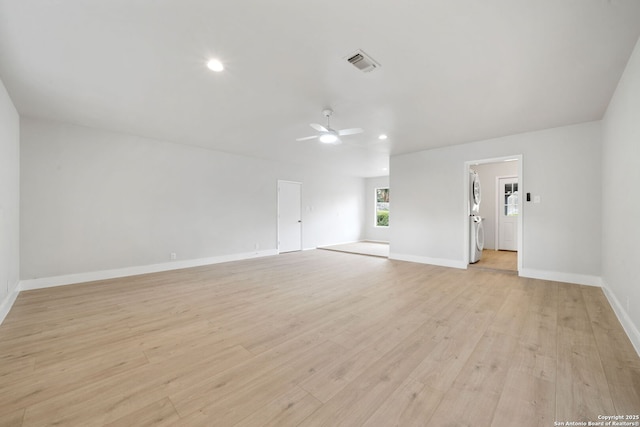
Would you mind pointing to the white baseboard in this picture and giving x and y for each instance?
(557, 276)
(442, 262)
(623, 317)
(7, 303)
(69, 279)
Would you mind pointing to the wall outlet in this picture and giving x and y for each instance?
(173, 256)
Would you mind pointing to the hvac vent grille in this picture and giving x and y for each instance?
(362, 61)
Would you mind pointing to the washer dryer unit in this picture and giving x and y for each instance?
(474, 193)
(476, 237)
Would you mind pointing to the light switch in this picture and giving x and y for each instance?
(536, 199)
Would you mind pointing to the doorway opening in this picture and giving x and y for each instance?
(493, 215)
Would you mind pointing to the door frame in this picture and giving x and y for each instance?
(469, 165)
(499, 206)
(278, 212)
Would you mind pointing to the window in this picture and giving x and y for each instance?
(382, 207)
(511, 199)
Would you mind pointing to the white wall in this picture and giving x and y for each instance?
(371, 232)
(561, 236)
(488, 172)
(620, 201)
(94, 200)
(9, 201)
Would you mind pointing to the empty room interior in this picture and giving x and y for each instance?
(319, 213)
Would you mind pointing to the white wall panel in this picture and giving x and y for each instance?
(621, 200)
(94, 200)
(561, 165)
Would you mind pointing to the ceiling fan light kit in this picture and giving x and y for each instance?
(326, 135)
(328, 138)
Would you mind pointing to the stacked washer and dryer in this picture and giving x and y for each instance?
(476, 231)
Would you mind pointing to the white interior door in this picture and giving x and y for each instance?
(289, 216)
(508, 213)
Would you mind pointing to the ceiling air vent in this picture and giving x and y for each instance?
(362, 61)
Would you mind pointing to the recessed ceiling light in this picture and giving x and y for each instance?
(385, 169)
(383, 136)
(215, 65)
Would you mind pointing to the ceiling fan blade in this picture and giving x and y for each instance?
(318, 127)
(307, 137)
(351, 131)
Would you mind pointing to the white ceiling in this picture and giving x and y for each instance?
(452, 71)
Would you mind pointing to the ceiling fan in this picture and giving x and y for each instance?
(326, 135)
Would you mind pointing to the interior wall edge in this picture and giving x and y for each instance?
(623, 317)
(7, 303)
(9, 201)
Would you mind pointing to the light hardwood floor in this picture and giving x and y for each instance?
(315, 338)
(497, 260)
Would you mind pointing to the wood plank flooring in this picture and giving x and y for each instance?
(497, 260)
(316, 338)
